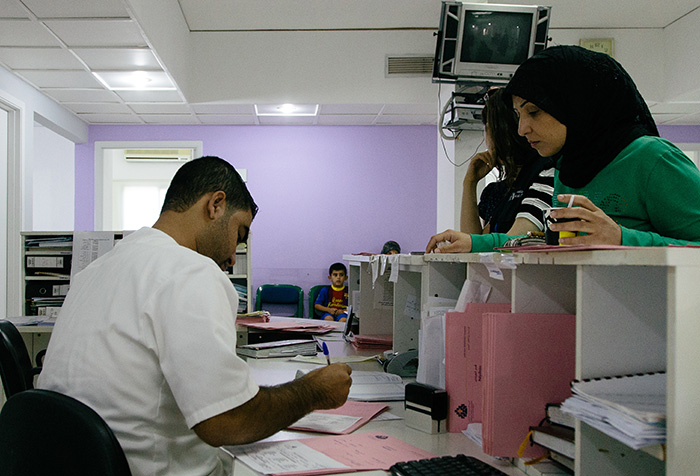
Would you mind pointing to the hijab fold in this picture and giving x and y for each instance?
(594, 97)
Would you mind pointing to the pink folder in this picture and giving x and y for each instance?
(463, 363)
(529, 361)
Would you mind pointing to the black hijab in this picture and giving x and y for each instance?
(594, 97)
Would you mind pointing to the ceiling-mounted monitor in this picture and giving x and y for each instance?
(487, 42)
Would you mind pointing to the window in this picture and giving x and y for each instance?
(129, 193)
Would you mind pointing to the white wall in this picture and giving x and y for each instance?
(54, 181)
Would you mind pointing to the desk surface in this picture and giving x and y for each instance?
(279, 370)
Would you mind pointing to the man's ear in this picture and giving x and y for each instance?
(216, 205)
(330, 279)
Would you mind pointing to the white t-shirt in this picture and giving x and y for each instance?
(147, 338)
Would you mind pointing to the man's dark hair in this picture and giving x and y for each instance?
(207, 175)
(337, 267)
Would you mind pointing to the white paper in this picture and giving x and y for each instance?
(88, 246)
(431, 351)
(394, 261)
(284, 457)
(327, 422)
(472, 291)
(412, 309)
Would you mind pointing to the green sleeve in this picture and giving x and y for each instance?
(672, 202)
(486, 243)
(632, 237)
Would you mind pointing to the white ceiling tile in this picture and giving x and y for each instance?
(110, 118)
(25, 33)
(160, 108)
(237, 120)
(675, 108)
(39, 58)
(60, 79)
(287, 120)
(81, 95)
(114, 59)
(346, 120)
(12, 9)
(99, 108)
(149, 96)
(350, 109)
(234, 109)
(76, 8)
(169, 119)
(408, 120)
(409, 109)
(113, 33)
(126, 80)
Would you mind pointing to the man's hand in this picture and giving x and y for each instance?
(331, 384)
(450, 241)
(598, 227)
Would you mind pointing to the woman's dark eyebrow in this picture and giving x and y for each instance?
(524, 102)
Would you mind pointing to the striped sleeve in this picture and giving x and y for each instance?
(537, 198)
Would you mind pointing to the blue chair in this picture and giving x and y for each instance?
(285, 300)
(313, 294)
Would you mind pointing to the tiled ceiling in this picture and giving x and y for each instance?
(57, 45)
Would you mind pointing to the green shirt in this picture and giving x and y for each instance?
(651, 189)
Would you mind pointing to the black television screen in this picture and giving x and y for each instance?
(496, 37)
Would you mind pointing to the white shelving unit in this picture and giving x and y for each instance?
(46, 273)
(240, 276)
(638, 310)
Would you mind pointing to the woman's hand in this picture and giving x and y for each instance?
(450, 241)
(479, 165)
(600, 229)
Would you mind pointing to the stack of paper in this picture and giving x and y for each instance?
(281, 348)
(631, 408)
(369, 342)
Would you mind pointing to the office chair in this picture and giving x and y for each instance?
(313, 294)
(16, 371)
(280, 300)
(44, 432)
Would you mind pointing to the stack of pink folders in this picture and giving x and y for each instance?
(529, 361)
(463, 363)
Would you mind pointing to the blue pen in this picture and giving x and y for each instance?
(326, 353)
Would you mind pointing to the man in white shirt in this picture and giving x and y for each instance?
(147, 336)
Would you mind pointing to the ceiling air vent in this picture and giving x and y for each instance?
(158, 155)
(409, 65)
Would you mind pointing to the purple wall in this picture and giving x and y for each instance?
(680, 134)
(322, 191)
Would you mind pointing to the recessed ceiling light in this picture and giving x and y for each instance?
(286, 110)
(135, 80)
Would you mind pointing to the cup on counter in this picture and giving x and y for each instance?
(552, 237)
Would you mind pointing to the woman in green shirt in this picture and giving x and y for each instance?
(630, 186)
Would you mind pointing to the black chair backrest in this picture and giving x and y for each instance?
(16, 369)
(44, 432)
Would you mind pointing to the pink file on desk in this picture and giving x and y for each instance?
(463, 363)
(529, 361)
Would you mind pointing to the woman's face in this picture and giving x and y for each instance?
(544, 133)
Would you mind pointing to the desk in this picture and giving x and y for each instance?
(279, 370)
(637, 310)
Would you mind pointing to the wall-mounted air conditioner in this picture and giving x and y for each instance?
(158, 155)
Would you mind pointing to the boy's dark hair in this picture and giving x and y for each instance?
(391, 246)
(337, 267)
(207, 175)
